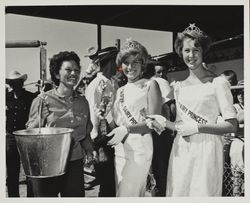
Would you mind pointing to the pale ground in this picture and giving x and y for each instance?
(88, 193)
(23, 186)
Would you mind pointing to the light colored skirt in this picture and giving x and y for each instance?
(132, 164)
(196, 166)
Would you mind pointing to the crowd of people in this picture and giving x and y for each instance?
(131, 124)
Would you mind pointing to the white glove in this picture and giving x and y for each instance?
(187, 128)
(118, 134)
(156, 122)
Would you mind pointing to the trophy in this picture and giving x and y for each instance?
(104, 103)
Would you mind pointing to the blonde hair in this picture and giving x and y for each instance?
(132, 47)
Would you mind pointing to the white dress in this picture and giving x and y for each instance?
(196, 162)
(133, 158)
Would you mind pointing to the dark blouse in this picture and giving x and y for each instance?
(68, 112)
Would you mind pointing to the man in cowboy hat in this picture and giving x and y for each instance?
(103, 62)
(18, 102)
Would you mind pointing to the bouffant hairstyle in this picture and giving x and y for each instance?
(192, 32)
(132, 47)
(56, 63)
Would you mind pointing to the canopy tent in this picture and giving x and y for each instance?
(224, 23)
(220, 22)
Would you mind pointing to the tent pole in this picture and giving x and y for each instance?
(99, 36)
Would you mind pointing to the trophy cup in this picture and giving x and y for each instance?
(103, 129)
(105, 98)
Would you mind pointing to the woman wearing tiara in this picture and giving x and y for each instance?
(131, 137)
(196, 160)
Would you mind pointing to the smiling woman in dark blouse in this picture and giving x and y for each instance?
(63, 107)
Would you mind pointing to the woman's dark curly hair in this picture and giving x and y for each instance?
(56, 63)
(201, 40)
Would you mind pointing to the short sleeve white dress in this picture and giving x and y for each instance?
(133, 158)
(196, 162)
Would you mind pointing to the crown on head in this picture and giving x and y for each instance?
(130, 44)
(192, 28)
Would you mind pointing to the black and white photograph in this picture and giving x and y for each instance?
(113, 100)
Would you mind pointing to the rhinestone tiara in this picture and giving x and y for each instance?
(131, 44)
(192, 28)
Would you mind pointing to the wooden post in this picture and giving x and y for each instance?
(23, 43)
(32, 43)
(118, 44)
(99, 37)
(43, 57)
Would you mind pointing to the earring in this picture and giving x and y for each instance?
(205, 65)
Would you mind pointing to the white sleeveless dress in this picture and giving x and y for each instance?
(133, 158)
(196, 162)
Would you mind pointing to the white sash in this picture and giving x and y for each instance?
(125, 110)
(186, 111)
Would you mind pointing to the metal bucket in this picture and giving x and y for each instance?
(44, 154)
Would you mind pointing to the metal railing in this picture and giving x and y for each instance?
(233, 176)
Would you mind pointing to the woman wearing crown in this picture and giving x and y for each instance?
(196, 160)
(131, 138)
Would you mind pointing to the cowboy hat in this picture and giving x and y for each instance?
(101, 54)
(15, 75)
